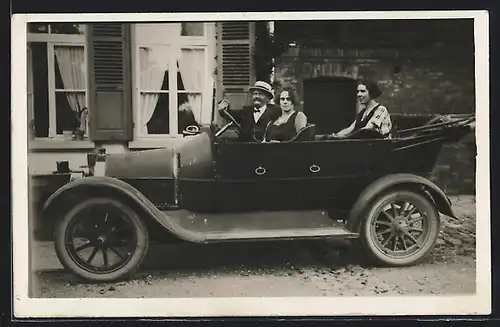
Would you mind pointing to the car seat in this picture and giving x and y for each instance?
(307, 133)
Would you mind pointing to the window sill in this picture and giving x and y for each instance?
(155, 143)
(54, 144)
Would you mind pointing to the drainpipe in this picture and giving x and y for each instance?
(270, 28)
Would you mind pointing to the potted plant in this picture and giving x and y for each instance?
(78, 134)
(81, 127)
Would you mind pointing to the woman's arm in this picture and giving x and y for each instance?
(349, 129)
(345, 131)
(300, 121)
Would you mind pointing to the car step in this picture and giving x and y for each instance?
(291, 234)
(264, 225)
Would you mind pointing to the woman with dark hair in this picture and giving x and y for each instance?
(290, 122)
(373, 116)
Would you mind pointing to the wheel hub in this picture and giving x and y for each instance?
(101, 240)
(399, 226)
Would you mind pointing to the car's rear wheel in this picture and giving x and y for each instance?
(400, 228)
(101, 240)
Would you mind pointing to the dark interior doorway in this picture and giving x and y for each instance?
(330, 102)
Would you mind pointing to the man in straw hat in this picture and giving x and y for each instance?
(254, 118)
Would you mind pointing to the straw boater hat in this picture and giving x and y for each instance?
(262, 86)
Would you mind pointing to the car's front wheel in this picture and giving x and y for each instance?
(400, 228)
(101, 240)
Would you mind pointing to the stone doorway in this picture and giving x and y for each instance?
(330, 102)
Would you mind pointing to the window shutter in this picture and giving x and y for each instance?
(236, 68)
(110, 103)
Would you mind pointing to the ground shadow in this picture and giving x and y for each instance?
(245, 259)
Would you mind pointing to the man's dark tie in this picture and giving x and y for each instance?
(256, 110)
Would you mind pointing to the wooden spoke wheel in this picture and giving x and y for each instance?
(400, 228)
(101, 239)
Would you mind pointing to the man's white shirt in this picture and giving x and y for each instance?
(258, 114)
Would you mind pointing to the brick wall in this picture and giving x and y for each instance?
(455, 170)
(410, 84)
(421, 81)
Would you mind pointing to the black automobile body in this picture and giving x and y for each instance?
(215, 189)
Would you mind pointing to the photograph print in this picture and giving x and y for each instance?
(185, 165)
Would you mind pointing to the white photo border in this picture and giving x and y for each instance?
(26, 307)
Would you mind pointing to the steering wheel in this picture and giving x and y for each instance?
(223, 107)
(227, 115)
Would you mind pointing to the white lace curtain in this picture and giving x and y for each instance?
(154, 61)
(192, 69)
(71, 62)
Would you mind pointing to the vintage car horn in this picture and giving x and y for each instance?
(100, 163)
(191, 130)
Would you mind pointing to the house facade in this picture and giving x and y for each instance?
(129, 86)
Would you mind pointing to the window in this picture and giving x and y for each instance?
(56, 28)
(30, 87)
(57, 80)
(192, 29)
(171, 72)
(70, 90)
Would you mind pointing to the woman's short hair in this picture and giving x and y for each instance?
(372, 88)
(291, 93)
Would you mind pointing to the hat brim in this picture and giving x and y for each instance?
(261, 89)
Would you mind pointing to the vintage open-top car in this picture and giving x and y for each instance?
(214, 189)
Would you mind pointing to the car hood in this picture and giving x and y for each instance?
(141, 164)
(195, 154)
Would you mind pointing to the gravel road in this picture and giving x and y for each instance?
(313, 268)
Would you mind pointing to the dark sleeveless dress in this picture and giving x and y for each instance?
(283, 132)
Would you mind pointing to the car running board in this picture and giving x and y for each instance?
(291, 234)
(255, 226)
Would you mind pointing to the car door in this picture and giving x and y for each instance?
(345, 166)
(261, 176)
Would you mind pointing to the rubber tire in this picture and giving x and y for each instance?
(379, 258)
(142, 237)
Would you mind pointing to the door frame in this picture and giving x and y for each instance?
(331, 80)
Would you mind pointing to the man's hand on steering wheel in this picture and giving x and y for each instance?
(223, 105)
(223, 108)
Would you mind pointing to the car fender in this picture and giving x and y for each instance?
(75, 190)
(425, 186)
